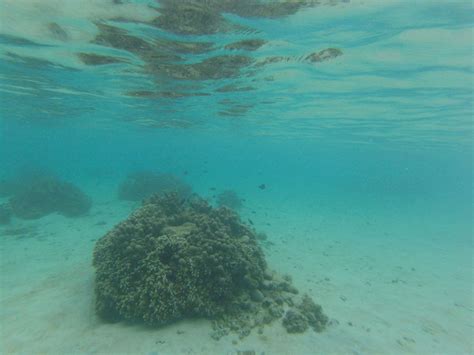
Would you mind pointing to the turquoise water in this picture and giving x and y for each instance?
(356, 116)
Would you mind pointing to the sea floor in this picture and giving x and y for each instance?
(394, 276)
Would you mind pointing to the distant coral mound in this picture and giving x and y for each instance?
(140, 185)
(7, 187)
(5, 213)
(40, 196)
(230, 199)
(175, 258)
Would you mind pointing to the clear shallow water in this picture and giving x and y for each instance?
(356, 115)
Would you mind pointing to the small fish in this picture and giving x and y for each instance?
(250, 221)
(185, 172)
(262, 186)
(212, 189)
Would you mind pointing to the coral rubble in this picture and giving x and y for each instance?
(307, 314)
(295, 322)
(177, 258)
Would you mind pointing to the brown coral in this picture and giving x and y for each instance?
(176, 258)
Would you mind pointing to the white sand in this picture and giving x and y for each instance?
(392, 280)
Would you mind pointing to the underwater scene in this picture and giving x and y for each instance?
(238, 177)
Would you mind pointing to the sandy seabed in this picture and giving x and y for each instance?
(394, 279)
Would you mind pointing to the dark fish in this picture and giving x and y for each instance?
(262, 186)
(212, 189)
(185, 172)
(250, 221)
